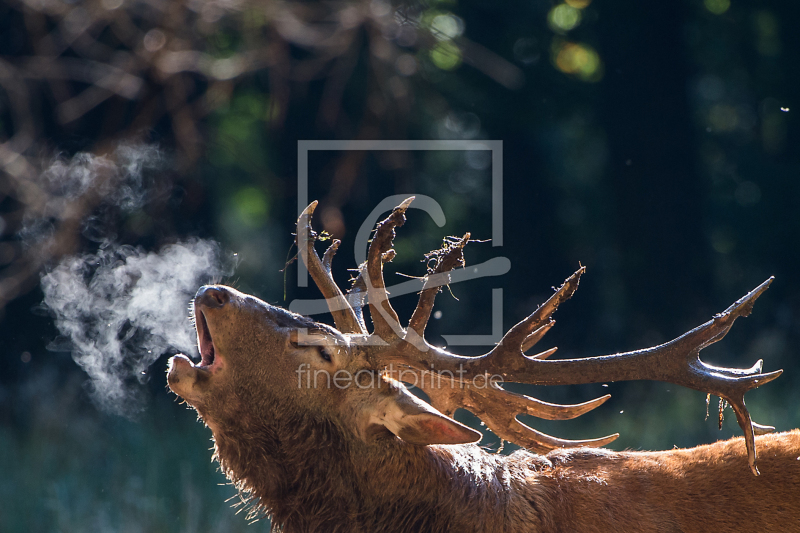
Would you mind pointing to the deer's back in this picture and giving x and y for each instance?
(704, 489)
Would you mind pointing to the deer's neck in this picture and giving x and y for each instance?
(290, 468)
(451, 488)
(311, 478)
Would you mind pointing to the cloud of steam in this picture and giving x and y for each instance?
(91, 188)
(119, 309)
(122, 179)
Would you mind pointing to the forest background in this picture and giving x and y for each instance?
(150, 146)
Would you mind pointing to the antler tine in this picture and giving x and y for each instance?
(527, 437)
(327, 258)
(498, 409)
(343, 314)
(357, 294)
(516, 340)
(453, 257)
(384, 318)
(356, 297)
(536, 336)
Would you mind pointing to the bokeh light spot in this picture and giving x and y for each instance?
(718, 7)
(446, 26)
(578, 59)
(154, 40)
(111, 4)
(406, 65)
(250, 204)
(578, 4)
(446, 55)
(526, 51)
(563, 17)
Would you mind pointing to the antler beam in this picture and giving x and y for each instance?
(452, 377)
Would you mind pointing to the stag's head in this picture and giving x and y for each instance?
(260, 363)
(263, 368)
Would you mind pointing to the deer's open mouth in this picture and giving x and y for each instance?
(205, 342)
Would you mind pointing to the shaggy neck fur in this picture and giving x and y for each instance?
(308, 477)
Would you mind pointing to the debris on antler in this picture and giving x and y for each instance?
(440, 263)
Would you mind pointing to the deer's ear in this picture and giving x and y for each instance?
(416, 422)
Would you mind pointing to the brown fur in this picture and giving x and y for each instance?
(313, 461)
(704, 489)
(317, 479)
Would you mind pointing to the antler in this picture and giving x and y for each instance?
(474, 383)
(344, 315)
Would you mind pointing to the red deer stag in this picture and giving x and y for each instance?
(360, 453)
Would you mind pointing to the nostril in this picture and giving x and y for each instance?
(212, 296)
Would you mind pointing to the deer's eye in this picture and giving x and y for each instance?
(325, 354)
